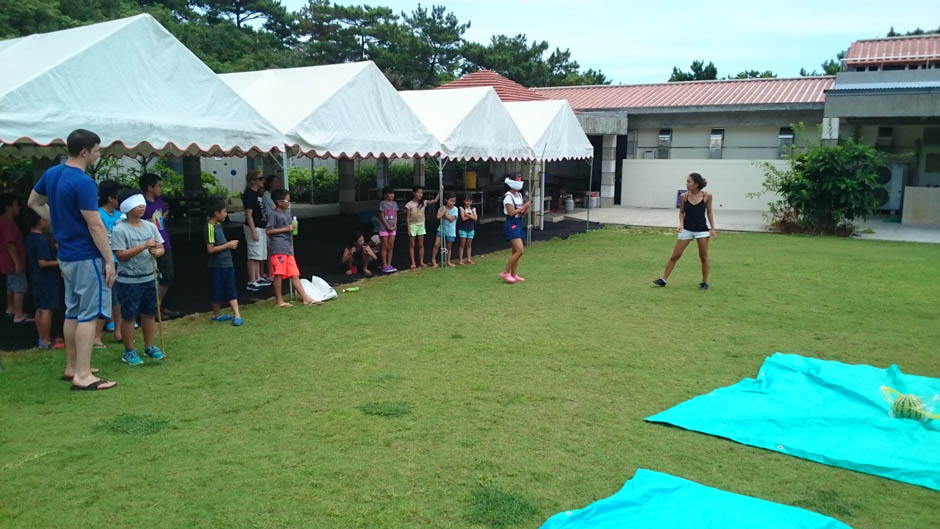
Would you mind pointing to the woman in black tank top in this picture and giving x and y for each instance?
(694, 204)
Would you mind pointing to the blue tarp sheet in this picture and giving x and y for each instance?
(654, 500)
(825, 411)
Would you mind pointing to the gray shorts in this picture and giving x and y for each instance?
(87, 296)
(16, 283)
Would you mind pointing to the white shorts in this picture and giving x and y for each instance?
(686, 235)
(257, 250)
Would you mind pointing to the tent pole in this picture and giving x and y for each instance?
(440, 183)
(590, 190)
(284, 163)
(542, 197)
(530, 166)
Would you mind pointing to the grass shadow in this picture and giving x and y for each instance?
(395, 408)
(496, 507)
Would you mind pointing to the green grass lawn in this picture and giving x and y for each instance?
(444, 398)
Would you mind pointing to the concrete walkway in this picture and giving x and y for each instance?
(881, 228)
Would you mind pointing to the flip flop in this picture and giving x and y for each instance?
(99, 346)
(24, 321)
(94, 386)
(285, 305)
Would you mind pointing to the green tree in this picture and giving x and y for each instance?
(430, 47)
(918, 31)
(699, 72)
(826, 187)
(513, 57)
(754, 74)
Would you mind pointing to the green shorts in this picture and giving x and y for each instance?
(417, 229)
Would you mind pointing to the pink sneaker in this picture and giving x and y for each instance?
(518, 278)
(507, 278)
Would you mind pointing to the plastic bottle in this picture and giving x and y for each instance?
(351, 289)
(295, 223)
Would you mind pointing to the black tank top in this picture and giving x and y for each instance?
(695, 215)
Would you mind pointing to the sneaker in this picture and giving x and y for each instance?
(703, 286)
(131, 358)
(58, 345)
(252, 287)
(40, 344)
(263, 282)
(660, 282)
(387, 269)
(507, 278)
(392, 269)
(518, 278)
(109, 326)
(169, 314)
(154, 352)
(222, 317)
(238, 322)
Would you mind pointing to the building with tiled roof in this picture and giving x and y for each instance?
(507, 89)
(893, 53)
(804, 92)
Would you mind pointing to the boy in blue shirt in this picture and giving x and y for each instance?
(108, 209)
(221, 265)
(43, 269)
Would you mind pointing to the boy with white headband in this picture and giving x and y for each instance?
(134, 242)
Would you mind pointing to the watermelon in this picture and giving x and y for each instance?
(908, 406)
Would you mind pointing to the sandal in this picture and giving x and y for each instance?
(67, 378)
(94, 386)
(99, 346)
(285, 304)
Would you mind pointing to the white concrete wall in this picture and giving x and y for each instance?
(653, 183)
(691, 143)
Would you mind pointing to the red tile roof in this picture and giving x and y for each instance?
(507, 89)
(894, 50)
(694, 93)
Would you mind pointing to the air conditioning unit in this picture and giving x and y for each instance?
(891, 180)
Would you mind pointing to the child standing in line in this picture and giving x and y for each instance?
(358, 252)
(416, 230)
(135, 244)
(281, 244)
(13, 258)
(43, 268)
(448, 228)
(466, 227)
(221, 266)
(109, 212)
(388, 216)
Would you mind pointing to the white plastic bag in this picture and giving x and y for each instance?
(318, 289)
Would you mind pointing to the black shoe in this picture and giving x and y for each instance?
(169, 314)
(660, 282)
(703, 286)
(252, 287)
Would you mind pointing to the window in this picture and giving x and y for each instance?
(631, 144)
(665, 143)
(785, 143)
(715, 140)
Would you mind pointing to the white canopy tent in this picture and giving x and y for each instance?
(553, 132)
(131, 82)
(470, 124)
(337, 110)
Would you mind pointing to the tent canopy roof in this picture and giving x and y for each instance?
(470, 123)
(336, 110)
(552, 129)
(113, 79)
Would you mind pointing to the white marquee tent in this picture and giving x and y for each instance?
(470, 124)
(336, 110)
(131, 82)
(551, 129)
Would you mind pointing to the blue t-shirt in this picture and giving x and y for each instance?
(450, 226)
(110, 219)
(70, 191)
(39, 247)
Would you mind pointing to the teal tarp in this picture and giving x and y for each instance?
(653, 500)
(825, 411)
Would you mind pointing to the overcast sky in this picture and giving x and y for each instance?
(640, 42)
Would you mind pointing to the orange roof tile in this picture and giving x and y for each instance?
(694, 93)
(894, 50)
(507, 89)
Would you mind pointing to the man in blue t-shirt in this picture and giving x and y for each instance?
(68, 198)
